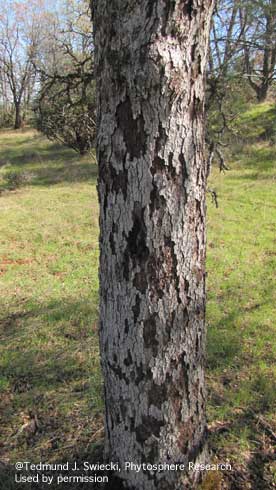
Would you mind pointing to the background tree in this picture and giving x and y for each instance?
(259, 46)
(20, 28)
(65, 104)
(150, 64)
(243, 43)
(241, 66)
(6, 114)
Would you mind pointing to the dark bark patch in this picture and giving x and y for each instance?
(132, 423)
(152, 455)
(111, 238)
(197, 344)
(128, 361)
(150, 6)
(140, 281)
(119, 181)
(158, 165)
(197, 105)
(162, 270)
(186, 286)
(189, 8)
(125, 266)
(136, 240)
(136, 249)
(157, 202)
(123, 410)
(184, 380)
(175, 275)
(156, 278)
(183, 167)
(198, 446)
(198, 207)
(126, 327)
(163, 484)
(112, 244)
(171, 155)
(157, 395)
(149, 334)
(193, 52)
(118, 371)
(143, 54)
(106, 343)
(136, 308)
(149, 426)
(168, 11)
(133, 129)
(114, 181)
(140, 374)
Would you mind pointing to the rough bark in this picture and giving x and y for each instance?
(150, 59)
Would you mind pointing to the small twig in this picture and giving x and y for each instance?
(222, 166)
(210, 157)
(267, 428)
(214, 196)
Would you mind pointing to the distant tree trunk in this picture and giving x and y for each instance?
(261, 92)
(151, 58)
(260, 66)
(18, 119)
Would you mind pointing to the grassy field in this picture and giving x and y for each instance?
(49, 365)
(242, 305)
(50, 384)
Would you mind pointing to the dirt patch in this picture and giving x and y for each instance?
(5, 262)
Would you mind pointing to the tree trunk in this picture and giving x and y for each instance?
(150, 58)
(18, 119)
(262, 92)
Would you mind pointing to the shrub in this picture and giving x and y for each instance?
(67, 114)
(16, 179)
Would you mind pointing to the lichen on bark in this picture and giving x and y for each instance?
(150, 62)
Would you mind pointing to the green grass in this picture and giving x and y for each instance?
(49, 363)
(49, 360)
(258, 121)
(241, 293)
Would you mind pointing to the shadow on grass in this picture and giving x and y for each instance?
(47, 176)
(50, 364)
(44, 363)
(253, 475)
(71, 173)
(35, 153)
(242, 389)
(255, 176)
(261, 159)
(45, 163)
(258, 123)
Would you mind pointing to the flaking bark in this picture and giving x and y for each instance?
(150, 62)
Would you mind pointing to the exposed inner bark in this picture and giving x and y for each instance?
(150, 58)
